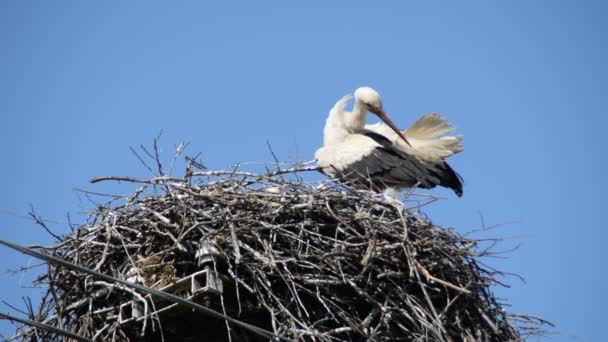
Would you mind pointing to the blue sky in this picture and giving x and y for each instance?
(524, 81)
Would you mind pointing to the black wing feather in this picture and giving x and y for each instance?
(387, 166)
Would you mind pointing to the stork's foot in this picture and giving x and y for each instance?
(391, 196)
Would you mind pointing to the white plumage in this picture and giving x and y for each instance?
(383, 154)
(428, 138)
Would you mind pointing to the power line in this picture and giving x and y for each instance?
(45, 327)
(164, 295)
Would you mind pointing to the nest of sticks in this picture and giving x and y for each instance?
(309, 262)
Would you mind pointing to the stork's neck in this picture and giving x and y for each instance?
(355, 121)
(340, 124)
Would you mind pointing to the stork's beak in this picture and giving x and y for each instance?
(387, 120)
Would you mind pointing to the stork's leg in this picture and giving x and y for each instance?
(391, 197)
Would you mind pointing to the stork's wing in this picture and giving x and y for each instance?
(369, 159)
(389, 166)
(428, 137)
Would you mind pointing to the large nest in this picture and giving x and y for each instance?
(323, 263)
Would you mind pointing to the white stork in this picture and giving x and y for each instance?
(381, 156)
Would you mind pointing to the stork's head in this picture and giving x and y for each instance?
(372, 100)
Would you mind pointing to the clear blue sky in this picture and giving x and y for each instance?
(524, 81)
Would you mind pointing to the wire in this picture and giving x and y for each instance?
(44, 327)
(168, 296)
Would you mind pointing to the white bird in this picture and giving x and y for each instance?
(381, 156)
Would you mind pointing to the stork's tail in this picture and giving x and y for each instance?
(451, 179)
(429, 136)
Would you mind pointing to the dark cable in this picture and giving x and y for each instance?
(44, 327)
(168, 296)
